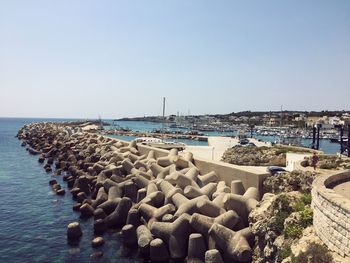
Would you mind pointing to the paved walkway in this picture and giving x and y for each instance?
(217, 147)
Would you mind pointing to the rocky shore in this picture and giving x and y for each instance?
(163, 205)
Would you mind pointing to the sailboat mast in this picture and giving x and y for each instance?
(163, 114)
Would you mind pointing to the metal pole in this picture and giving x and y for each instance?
(341, 139)
(318, 137)
(313, 136)
(348, 143)
(163, 115)
(281, 123)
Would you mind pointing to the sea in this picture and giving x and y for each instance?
(33, 220)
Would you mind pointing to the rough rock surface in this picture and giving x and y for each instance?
(267, 223)
(289, 181)
(255, 156)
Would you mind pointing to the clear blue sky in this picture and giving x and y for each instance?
(119, 58)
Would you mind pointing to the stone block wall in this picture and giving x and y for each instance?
(332, 213)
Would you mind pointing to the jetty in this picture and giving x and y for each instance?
(162, 135)
(155, 196)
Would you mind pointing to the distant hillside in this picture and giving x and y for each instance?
(245, 114)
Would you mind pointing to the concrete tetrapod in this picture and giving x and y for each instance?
(141, 194)
(144, 238)
(156, 199)
(140, 181)
(209, 208)
(221, 188)
(193, 192)
(210, 177)
(169, 190)
(174, 234)
(119, 216)
(196, 248)
(182, 181)
(129, 235)
(218, 200)
(152, 214)
(252, 192)
(172, 177)
(99, 226)
(151, 188)
(237, 187)
(130, 190)
(213, 256)
(241, 204)
(168, 160)
(86, 211)
(192, 173)
(110, 205)
(184, 161)
(160, 172)
(202, 223)
(133, 218)
(74, 231)
(185, 205)
(99, 214)
(100, 198)
(158, 251)
(233, 245)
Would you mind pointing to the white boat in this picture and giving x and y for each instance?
(159, 143)
(146, 140)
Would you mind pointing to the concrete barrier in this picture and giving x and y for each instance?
(250, 176)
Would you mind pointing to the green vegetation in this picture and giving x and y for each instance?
(293, 231)
(284, 149)
(329, 162)
(260, 156)
(284, 207)
(289, 181)
(315, 253)
(277, 222)
(306, 217)
(328, 165)
(306, 198)
(255, 156)
(285, 251)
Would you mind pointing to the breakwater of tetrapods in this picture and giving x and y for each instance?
(163, 205)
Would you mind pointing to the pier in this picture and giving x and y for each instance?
(193, 137)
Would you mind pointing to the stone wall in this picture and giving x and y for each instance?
(332, 213)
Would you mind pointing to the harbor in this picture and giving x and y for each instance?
(129, 130)
(174, 131)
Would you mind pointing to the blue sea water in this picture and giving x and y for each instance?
(33, 219)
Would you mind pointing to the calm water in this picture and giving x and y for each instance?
(32, 219)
